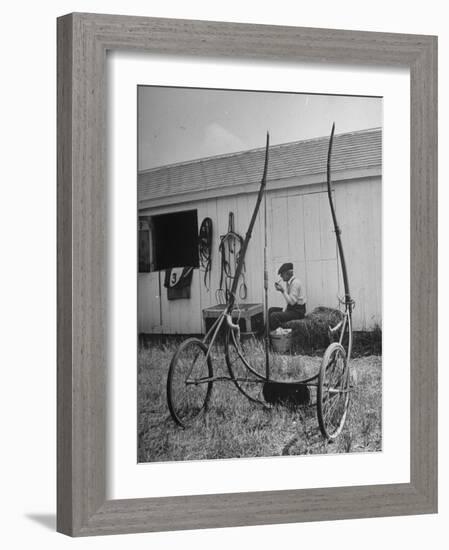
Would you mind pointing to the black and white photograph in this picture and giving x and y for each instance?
(259, 277)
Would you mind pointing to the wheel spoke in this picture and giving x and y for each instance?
(187, 395)
(333, 396)
(332, 407)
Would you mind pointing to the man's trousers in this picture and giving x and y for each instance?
(278, 317)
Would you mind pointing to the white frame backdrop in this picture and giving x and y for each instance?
(129, 479)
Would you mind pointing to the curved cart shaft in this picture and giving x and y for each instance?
(191, 373)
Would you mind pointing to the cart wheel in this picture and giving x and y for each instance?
(333, 391)
(188, 391)
(246, 364)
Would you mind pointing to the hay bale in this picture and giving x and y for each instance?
(311, 333)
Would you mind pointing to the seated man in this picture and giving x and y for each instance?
(293, 292)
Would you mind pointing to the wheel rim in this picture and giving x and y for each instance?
(187, 391)
(333, 391)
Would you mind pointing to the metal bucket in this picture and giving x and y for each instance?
(281, 343)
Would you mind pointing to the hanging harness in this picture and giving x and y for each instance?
(205, 250)
(229, 250)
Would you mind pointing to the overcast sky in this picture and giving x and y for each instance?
(181, 124)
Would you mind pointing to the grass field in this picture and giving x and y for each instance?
(234, 427)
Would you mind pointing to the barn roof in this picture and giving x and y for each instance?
(351, 151)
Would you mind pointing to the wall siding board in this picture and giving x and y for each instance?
(279, 229)
(376, 201)
(329, 288)
(149, 312)
(166, 309)
(277, 247)
(370, 289)
(261, 223)
(207, 295)
(296, 227)
(340, 207)
(327, 233)
(314, 283)
(192, 313)
(312, 228)
(346, 220)
(182, 316)
(168, 322)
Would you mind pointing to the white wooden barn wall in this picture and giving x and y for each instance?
(299, 230)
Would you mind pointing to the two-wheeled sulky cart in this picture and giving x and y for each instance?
(191, 374)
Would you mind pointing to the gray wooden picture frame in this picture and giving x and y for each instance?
(83, 40)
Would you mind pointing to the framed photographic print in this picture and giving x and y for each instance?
(246, 274)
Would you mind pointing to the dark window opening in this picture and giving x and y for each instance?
(168, 240)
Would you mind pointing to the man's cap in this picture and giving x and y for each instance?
(285, 267)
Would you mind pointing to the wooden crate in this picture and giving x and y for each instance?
(249, 316)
